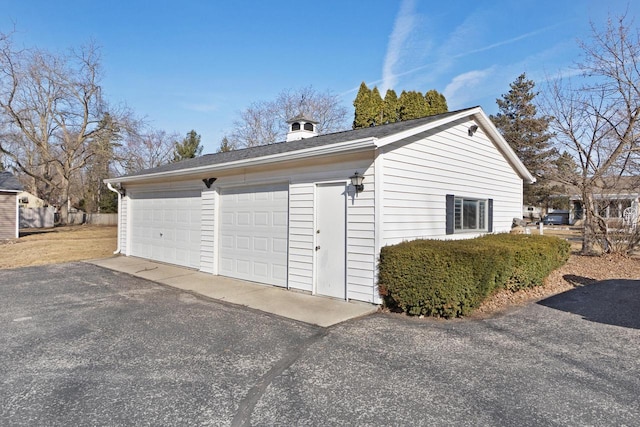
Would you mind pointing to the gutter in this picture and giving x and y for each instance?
(117, 251)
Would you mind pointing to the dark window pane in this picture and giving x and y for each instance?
(469, 215)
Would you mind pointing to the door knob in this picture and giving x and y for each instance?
(317, 248)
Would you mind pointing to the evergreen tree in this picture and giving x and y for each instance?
(390, 109)
(377, 107)
(412, 106)
(363, 111)
(189, 147)
(372, 110)
(528, 135)
(225, 145)
(436, 102)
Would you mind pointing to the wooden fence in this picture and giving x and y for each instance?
(37, 217)
(46, 218)
(93, 218)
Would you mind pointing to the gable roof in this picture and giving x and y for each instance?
(338, 142)
(8, 182)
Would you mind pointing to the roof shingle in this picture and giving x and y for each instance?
(9, 182)
(284, 147)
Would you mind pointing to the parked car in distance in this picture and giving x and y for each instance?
(553, 219)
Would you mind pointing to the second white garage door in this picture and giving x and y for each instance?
(253, 234)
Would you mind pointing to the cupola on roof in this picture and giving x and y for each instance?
(301, 127)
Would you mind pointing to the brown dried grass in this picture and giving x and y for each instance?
(58, 245)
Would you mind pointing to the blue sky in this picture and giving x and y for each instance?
(195, 64)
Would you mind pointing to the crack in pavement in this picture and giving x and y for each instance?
(248, 403)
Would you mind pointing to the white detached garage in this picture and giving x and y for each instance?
(288, 214)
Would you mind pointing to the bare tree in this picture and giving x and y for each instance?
(265, 122)
(146, 150)
(596, 123)
(53, 111)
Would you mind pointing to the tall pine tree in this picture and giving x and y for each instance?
(390, 110)
(372, 110)
(363, 111)
(189, 147)
(436, 102)
(377, 107)
(528, 135)
(412, 105)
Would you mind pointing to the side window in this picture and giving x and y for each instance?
(467, 214)
(295, 126)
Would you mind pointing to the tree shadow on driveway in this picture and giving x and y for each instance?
(612, 302)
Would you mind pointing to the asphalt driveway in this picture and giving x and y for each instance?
(82, 345)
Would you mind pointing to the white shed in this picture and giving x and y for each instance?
(288, 215)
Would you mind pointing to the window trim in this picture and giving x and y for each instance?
(455, 214)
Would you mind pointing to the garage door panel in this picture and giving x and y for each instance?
(279, 246)
(253, 234)
(261, 244)
(166, 226)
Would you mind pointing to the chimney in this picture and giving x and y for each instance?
(300, 127)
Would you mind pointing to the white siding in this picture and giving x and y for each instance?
(208, 226)
(122, 225)
(301, 236)
(419, 175)
(361, 256)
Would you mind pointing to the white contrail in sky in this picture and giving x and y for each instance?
(402, 28)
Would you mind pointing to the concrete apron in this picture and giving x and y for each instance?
(306, 308)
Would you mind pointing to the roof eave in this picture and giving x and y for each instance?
(504, 146)
(342, 147)
(425, 127)
(478, 114)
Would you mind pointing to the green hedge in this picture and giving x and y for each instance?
(450, 278)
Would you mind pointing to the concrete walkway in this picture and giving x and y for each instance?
(306, 308)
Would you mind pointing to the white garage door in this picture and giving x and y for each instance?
(165, 226)
(253, 234)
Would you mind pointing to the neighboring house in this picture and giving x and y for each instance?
(617, 200)
(28, 200)
(288, 214)
(9, 214)
(35, 212)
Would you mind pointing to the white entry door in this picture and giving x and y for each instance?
(331, 240)
(165, 226)
(253, 234)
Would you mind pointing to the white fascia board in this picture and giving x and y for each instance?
(324, 150)
(478, 114)
(427, 126)
(503, 146)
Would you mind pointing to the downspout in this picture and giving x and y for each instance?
(117, 251)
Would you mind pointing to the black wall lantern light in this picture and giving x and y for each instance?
(356, 181)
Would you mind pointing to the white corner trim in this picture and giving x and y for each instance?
(378, 197)
(17, 236)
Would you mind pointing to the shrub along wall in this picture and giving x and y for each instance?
(449, 278)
